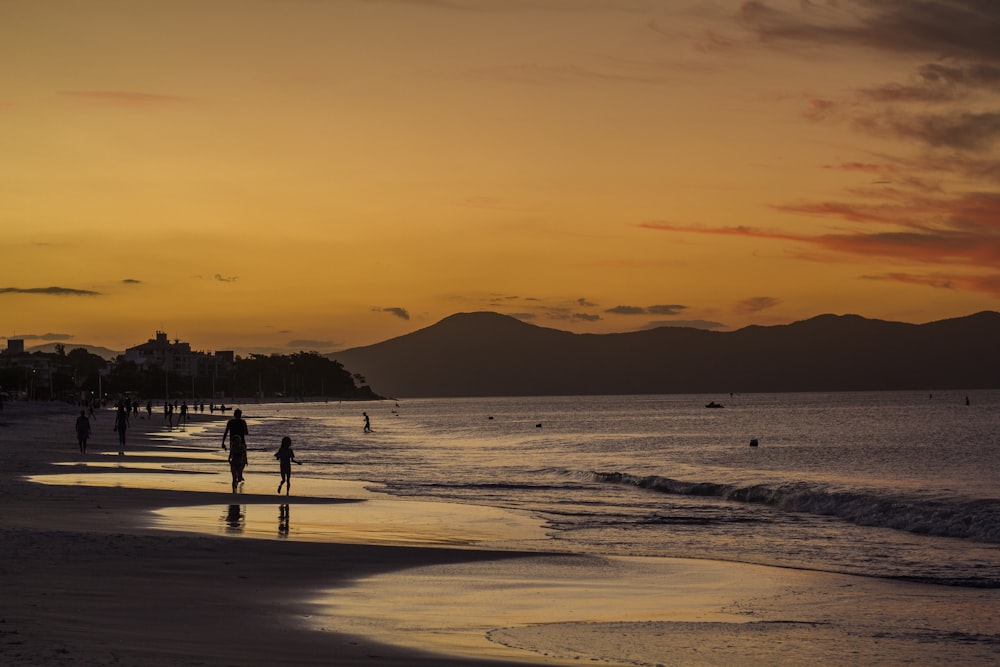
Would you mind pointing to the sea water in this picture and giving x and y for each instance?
(896, 485)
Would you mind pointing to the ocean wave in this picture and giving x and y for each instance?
(973, 519)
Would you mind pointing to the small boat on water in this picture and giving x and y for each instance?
(713, 404)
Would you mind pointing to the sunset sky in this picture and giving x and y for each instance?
(271, 176)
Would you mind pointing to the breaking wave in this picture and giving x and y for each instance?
(973, 519)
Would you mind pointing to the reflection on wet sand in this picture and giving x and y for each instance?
(376, 521)
(284, 517)
(234, 518)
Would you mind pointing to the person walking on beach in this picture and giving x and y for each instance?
(237, 459)
(82, 430)
(285, 456)
(236, 426)
(121, 425)
(368, 423)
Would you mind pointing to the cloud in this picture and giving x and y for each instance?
(45, 336)
(666, 310)
(586, 317)
(225, 279)
(551, 73)
(584, 303)
(52, 291)
(960, 130)
(690, 324)
(306, 344)
(856, 166)
(626, 310)
(965, 28)
(755, 305)
(646, 310)
(131, 281)
(401, 313)
(962, 229)
(960, 35)
(943, 112)
(123, 98)
(988, 284)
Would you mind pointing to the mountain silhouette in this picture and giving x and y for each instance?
(489, 354)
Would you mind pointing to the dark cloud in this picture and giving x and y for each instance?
(959, 130)
(666, 310)
(131, 281)
(690, 324)
(755, 304)
(524, 317)
(646, 310)
(401, 313)
(586, 317)
(939, 82)
(52, 291)
(954, 28)
(974, 75)
(584, 303)
(626, 310)
(225, 279)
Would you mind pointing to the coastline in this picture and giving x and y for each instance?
(86, 581)
(89, 579)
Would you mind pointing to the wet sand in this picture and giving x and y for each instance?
(141, 561)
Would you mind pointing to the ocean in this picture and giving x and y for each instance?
(897, 485)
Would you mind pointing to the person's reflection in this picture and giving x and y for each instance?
(234, 519)
(284, 517)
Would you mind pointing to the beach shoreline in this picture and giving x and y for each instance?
(87, 581)
(90, 577)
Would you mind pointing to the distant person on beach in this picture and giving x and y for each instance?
(368, 423)
(184, 413)
(149, 409)
(236, 426)
(285, 456)
(237, 459)
(82, 430)
(121, 425)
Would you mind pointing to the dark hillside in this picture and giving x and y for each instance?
(487, 354)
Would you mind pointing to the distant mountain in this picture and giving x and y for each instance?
(488, 354)
(93, 349)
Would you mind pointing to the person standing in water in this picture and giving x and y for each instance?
(285, 456)
(82, 430)
(236, 426)
(368, 423)
(237, 459)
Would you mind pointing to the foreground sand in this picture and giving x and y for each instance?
(86, 579)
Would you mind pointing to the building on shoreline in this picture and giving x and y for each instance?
(178, 358)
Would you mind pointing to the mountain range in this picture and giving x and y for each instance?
(489, 354)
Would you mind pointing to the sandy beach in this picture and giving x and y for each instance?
(90, 576)
(84, 581)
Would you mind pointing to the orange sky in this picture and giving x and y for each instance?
(267, 175)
